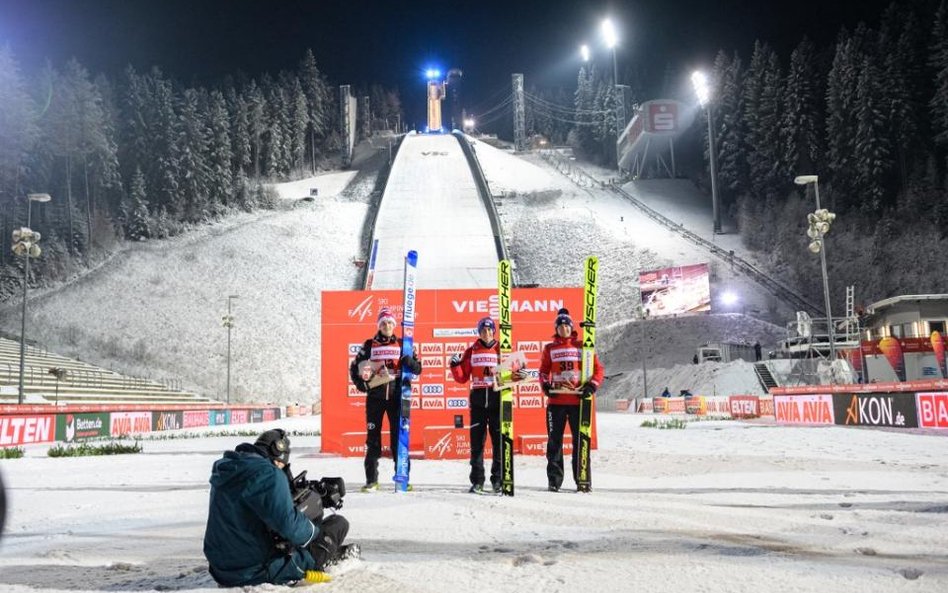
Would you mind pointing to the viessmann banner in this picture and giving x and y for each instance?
(445, 321)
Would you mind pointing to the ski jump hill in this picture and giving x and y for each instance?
(434, 204)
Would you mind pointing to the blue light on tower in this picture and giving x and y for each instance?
(433, 73)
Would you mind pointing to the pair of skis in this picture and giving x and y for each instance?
(590, 290)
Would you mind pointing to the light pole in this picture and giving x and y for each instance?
(612, 40)
(700, 82)
(25, 244)
(641, 315)
(228, 322)
(60, 374)
(819, 224)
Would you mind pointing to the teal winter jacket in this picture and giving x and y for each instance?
(251, 500)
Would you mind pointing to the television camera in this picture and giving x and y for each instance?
(311, 497)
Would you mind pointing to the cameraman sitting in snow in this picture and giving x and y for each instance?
(264, 526)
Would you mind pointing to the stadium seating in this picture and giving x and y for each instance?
(82, 383)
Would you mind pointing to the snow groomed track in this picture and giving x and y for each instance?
(431, 204)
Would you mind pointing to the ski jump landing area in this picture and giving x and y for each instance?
(431, 205)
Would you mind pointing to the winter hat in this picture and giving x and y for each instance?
(563, 318)
(486, 322)
(275, 444)
(385, 314)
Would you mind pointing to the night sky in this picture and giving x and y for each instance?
(391, 42)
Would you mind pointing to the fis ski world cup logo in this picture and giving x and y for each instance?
(362, 310)
(440, 448)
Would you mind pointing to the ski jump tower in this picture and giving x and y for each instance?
(435, 96)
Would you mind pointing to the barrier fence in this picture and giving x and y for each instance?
(27, 424)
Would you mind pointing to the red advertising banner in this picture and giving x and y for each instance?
(126, 423)
(804, 409)
(444, 325)
(24, 430)
(932, 410)
(744, 406)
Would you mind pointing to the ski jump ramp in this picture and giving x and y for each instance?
(431, 204)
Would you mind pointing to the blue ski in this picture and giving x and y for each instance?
(408, 342)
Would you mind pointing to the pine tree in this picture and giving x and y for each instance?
(801, 118)
(135, 215)
(585, 102)
(762, 92)
(193, 148)
(840, 122)
(729, 107)
(873, 153)
(241, 149)
(219, 157)
(938, 61)
(256, 117)
(903, 55)
(18, 135)
(318, 101)
(298, 121)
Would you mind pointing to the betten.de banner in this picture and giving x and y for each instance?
(444, 325)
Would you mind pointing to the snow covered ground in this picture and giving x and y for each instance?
(720, 506)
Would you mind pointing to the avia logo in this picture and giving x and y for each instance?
(353, 392)
(441, 446)
(432, 403)
(531, 401)
(415, 403)
(429, 348)
(528, 388)
(415, 390)
(455, 348)
(528, 346)
(432, 362)
(362, 310)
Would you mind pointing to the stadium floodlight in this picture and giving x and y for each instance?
(729, 298)
(612, 40)
(609, 33)
(805, 179)
(25, 244)
(700, 82)
(584, 52)
(469, 123)
(819, 224)
(703, 91)
(433, 73)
